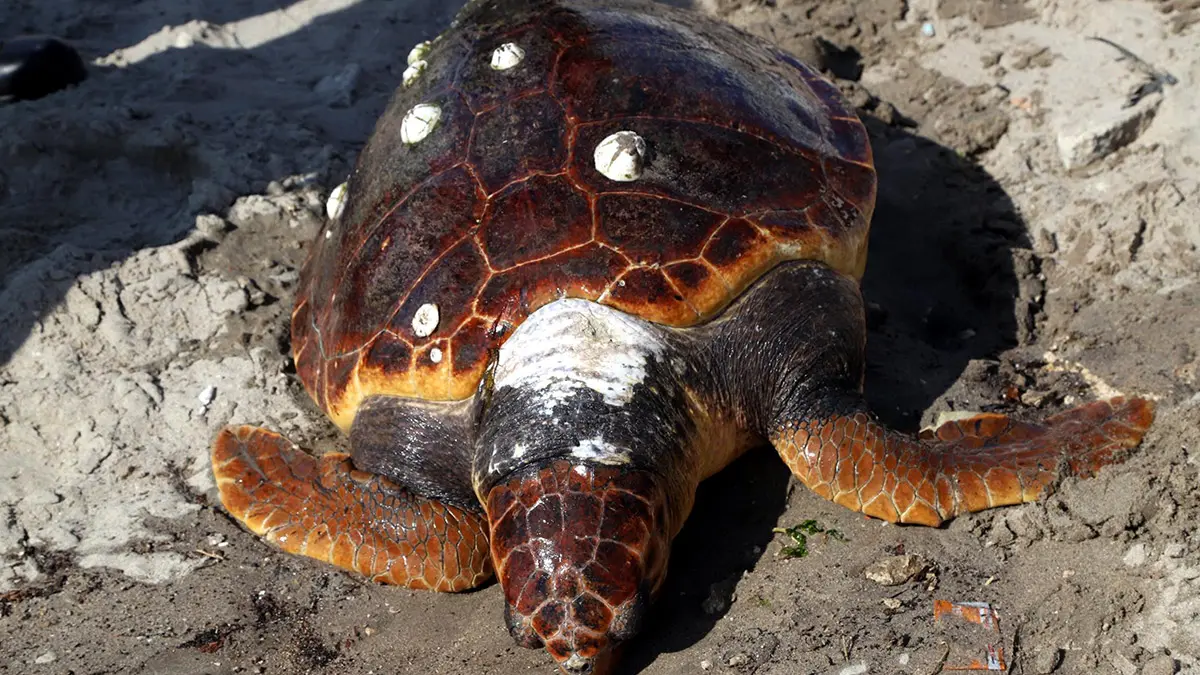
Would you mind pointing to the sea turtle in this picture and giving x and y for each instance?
(594, 251)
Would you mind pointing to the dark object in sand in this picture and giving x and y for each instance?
(33, 66)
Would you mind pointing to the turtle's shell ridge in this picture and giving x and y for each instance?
(455, 231)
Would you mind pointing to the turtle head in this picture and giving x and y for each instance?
(582, 463)
(579, 550)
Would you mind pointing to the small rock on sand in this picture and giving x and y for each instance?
(895, 570)
(1092, 137)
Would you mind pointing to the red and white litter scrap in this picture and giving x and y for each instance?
(982, 614)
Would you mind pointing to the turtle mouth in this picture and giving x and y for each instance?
(580, 550)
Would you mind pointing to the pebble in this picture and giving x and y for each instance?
(856, 669)
(1094, 135)
(1047, 661)
(207, 395)
(895, 570)
(338, 89)
(1160, 665)
(706, 665)
(48, 657)
(213, 227)
(1135, 556)
(1123, 665)
(721, 596)
(737, 660)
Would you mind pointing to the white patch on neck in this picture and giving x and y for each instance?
(570, 345)
(601, 451)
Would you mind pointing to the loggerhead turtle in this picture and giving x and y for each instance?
(593, 252)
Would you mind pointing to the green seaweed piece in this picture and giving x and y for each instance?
(799, 534)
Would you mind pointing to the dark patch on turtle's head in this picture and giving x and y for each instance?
(579, 550)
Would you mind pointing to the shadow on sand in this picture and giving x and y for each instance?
(179, 133)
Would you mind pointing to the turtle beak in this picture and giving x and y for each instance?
(579, 550)
(601, 664)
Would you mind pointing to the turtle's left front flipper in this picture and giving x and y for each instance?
(325, 509)
(968, 465)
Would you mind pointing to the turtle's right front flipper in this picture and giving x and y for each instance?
(325, 509)
(967, 465)
(795, 369)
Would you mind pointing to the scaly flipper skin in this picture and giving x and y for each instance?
(325, 509)
(968, 465)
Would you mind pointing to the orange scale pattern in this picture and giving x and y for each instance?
(963, 466)
(325, 509)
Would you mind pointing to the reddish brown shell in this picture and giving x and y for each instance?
(753, 159)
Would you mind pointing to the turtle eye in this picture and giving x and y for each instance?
(578, 550)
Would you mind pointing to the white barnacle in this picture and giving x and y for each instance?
(519, 450)
(621, 156)
(419, 122)
(507, 55)
(413, 71)
(425, 321)
(419, 52)
(435, 355)
(336, 202)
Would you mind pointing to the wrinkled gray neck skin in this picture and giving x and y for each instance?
(590, 384)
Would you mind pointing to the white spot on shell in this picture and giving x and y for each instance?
(336, 203)
(519, 450)
(419, 122)
(435, 355)
(419, 52)
(425, 321)
(507, 55)
(207, 395)
(329, 234)
(601, 451)
(621, 156)
(571, 345)
(413, 71)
